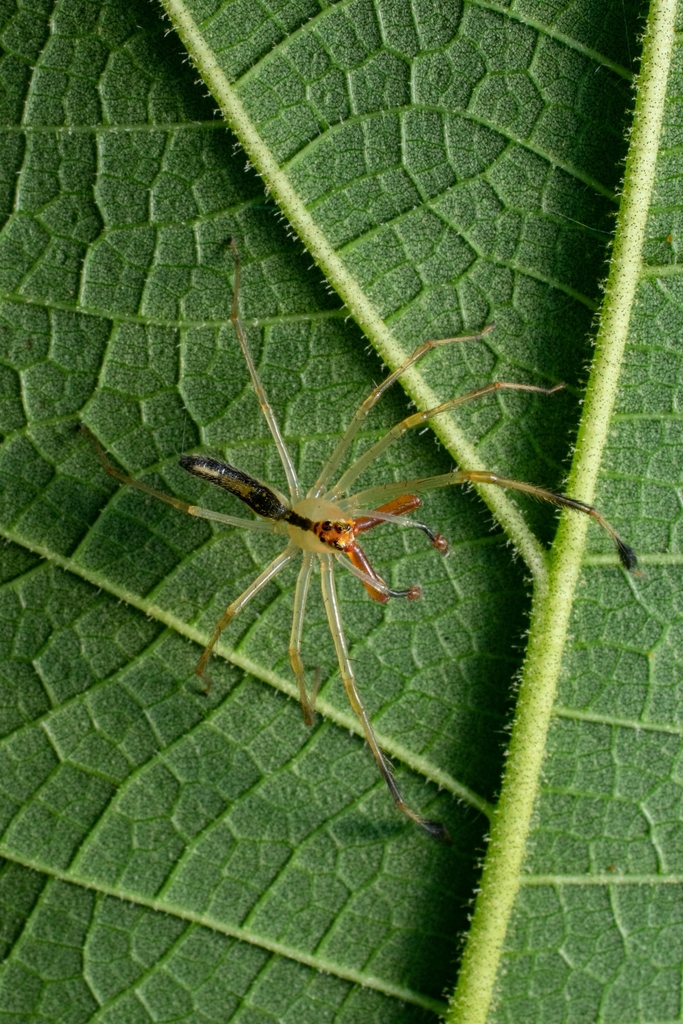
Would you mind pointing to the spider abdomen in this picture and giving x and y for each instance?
(261, 499)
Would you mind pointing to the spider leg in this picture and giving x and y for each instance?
(392, 512)
(396, 508)
(356, 560)
(368, 457)
(363, 410)
(302, 584)
(181, 506)
(218, 517)
(371, 580)
(266, 408)
(269, 573)
(435, 828)
(626, 553)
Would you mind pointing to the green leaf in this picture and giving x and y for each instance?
(170, 854)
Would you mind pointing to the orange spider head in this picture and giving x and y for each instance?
(336, 533)
(316, 524)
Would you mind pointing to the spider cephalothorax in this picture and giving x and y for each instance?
(325, 523)
(337, 533)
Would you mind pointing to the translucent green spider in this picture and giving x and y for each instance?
(325, 521)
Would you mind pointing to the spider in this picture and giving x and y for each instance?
(325, 523)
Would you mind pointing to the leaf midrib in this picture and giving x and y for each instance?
(550, 614)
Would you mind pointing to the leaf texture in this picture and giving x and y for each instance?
(172, 855)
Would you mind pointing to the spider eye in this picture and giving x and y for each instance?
(327, 525)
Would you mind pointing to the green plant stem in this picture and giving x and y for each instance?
(550, 614)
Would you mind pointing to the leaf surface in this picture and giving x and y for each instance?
(169, 854)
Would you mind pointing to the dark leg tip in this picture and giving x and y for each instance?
(436, 830)
(627, 556)
(413, 593)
